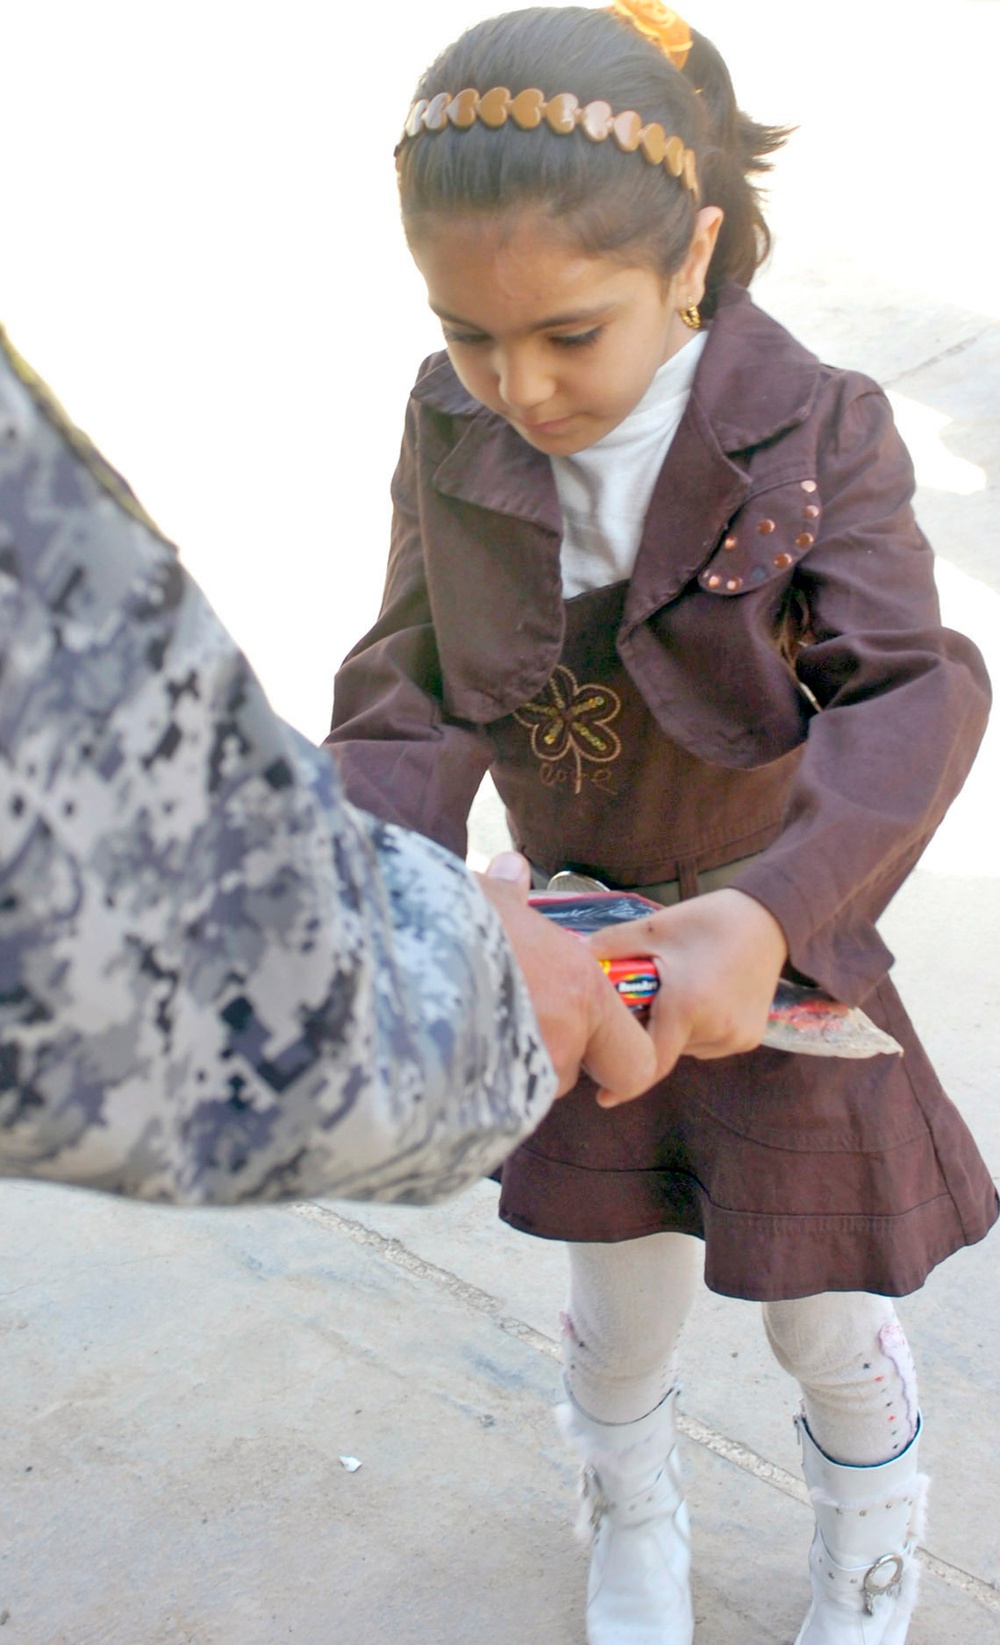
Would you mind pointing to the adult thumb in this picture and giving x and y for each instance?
(512, 867)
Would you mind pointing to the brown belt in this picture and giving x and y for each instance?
(666, 892)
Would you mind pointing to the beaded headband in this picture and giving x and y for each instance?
(563, 113)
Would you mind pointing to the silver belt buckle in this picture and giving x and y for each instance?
(567, 880)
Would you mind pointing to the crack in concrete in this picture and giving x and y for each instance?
(945, 354)
(730, 1450)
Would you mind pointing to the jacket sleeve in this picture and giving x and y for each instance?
(902, 706)
(219, 981)
(400, 755)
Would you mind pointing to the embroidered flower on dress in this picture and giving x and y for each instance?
(572, 720)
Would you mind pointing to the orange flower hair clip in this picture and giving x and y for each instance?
(657, 23)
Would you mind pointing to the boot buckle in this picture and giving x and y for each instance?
(874, 1589)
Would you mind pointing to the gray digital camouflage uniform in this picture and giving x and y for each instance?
(218, 981)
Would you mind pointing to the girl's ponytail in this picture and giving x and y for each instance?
(735, 149)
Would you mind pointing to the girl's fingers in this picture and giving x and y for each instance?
(632, 937)
(719, 957)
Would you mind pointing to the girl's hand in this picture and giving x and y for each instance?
(719, 957)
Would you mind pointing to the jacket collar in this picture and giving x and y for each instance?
(753, 382)
(489, 465)
(494, 468)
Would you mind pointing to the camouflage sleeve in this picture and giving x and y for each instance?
(218, 981)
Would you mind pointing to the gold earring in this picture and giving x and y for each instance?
(691, 316)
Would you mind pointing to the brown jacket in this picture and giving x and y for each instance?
(783, 594)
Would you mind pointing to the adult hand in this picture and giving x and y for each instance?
(583, 1022)
(719, 957)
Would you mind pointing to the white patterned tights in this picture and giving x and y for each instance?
(846, 1349)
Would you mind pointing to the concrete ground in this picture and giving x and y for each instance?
(184, 1392)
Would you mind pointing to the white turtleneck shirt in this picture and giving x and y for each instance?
(604, 491)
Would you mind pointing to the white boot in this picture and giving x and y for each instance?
(862, 1564)
(635, 1516)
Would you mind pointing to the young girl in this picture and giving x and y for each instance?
(655, 567)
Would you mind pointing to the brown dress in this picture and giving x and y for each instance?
(801, 1174)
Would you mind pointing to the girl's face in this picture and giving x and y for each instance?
(561, 344)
